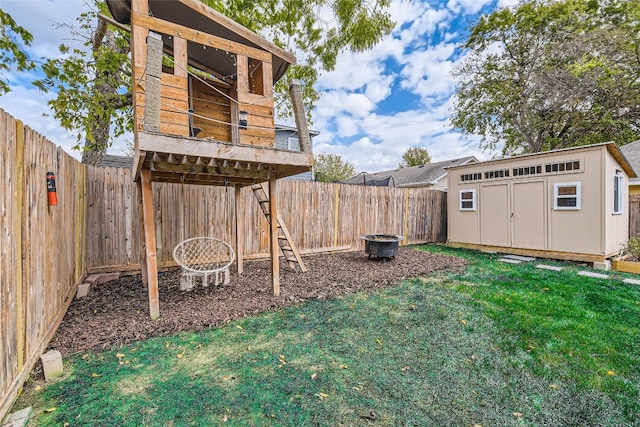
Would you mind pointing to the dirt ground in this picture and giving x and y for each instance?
(117, 312)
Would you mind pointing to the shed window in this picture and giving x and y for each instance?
(566, 196)
(467, 200)
(618, 194)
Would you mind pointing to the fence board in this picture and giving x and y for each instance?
(634, 215)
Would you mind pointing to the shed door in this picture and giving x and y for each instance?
(529, 215)
(494, 215)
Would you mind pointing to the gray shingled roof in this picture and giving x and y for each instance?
(411, 176)
(112, 161)
(632, 152)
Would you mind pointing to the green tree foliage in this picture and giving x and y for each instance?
(551, 74)
(415, 156)
(13, 39)
(93, 86)
(332, 168)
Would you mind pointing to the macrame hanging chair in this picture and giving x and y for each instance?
(203, 257)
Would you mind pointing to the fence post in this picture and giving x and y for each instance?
(21, 235)
(336, 211)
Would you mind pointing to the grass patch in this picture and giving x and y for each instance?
(494, 344)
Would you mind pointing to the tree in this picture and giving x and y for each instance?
(93, 86)
(13, 40)
(331, 168)
(551, 74)
(415, 156)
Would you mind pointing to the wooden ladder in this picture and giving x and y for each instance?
(288, 247)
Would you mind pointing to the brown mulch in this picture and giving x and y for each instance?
(116, 313)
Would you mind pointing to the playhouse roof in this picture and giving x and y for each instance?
(195, 15)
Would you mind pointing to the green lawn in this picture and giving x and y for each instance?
(495, 345)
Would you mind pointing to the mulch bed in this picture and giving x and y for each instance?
(116, 313)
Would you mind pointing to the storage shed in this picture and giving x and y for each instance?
(565, 204)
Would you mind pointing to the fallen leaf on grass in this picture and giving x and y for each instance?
(406, 368)
(611, 373)
(343, 366)
(371, 416)
(322, 396)
(38, 388)
(359, 388)
(518, 414)
(530, 348)
(554, 386)
(49, 410)
(179, 355)
(545, 289)
(464, 322)
(314, 375)
(94, 375)
(238, 326)
(119, 355)
(282, 360)
(378, 341)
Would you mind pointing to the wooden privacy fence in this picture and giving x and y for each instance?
(42, 248)
(319, 216)
(634, 215)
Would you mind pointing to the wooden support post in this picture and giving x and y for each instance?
(300, 117)
(150, 243)
(143, 246)
(273, 241)
(239, 210)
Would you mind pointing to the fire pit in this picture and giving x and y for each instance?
(381, 245)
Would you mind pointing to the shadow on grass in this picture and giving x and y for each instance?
(488, 345)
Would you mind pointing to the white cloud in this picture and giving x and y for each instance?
(467, 6)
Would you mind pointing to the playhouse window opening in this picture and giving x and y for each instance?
(618, 194)
(256, 82)
(567, 196)
(467, 200)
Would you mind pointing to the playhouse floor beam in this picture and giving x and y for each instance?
(150, 243)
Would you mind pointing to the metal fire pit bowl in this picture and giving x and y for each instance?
(381, 245)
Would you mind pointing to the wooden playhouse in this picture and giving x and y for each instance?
(566, 204)
(204, 112)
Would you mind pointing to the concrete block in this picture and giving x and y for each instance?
(632, 281)
(519, 258)
(108, 277)
(594, 275)
(92, 279)
(510, 261)
(83, 290)
(549, 267)
(19, 418)
(606, 265)
(51, 364)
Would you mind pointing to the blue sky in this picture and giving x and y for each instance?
(373, 106)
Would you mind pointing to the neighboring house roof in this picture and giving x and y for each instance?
(292, 129)
(632, 152)
(112, 161)
(414, 176)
